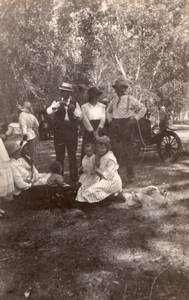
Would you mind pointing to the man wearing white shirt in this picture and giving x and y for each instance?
(66, 113)
(124, 112)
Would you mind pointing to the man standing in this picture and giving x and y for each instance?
(66, 113)
(29, 127)
(124, 112)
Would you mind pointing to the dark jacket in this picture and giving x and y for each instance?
(64, 129)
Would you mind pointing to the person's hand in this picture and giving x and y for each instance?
(63, 102)
(98, 172)
(93, 133)
(96, 133)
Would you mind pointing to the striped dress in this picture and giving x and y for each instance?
(110, 184)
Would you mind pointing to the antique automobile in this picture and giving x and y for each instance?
(162, 139)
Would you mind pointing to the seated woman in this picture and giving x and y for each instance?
(25, 175)
(6, 176)
(106, 167)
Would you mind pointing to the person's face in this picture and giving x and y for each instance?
(101, 149)
(120, 90)
(88, 150)
(65, 94)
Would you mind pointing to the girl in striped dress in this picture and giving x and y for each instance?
(107, 170)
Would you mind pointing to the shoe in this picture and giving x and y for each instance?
(119, 197)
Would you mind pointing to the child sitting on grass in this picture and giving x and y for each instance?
(55, 178)
(61, 193)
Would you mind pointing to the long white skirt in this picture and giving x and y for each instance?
(100, 190)
(6, 180)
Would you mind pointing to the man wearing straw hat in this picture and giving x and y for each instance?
(124, 112)
(65, 113)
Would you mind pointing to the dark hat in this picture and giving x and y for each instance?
(12, 147)
(65, 86)
(94, 91)
(121, 82)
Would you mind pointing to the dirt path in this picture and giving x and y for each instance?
(109, 253)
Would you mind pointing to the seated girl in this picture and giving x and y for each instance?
(106, 168)
(89, 175)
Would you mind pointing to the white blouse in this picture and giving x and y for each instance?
(93, 112)
(28, 124)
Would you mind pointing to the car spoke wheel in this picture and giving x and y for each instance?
(169, 146)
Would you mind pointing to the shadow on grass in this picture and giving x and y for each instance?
(102, 254)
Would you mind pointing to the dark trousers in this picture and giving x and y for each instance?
(31, 148)
(121, 136)
(69, 143)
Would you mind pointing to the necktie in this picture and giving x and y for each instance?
(119, 99)
(66, 109)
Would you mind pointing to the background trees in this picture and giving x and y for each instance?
(91, 42)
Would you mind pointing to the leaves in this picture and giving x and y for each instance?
(92, 42)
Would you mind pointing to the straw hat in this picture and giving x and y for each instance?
(120, 82)
(65, 86)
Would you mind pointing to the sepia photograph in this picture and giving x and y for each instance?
(94, 149)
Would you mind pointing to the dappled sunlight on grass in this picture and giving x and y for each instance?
(173, 251)
(129, 255)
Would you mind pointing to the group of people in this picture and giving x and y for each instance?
(117, 121)
(107, 131)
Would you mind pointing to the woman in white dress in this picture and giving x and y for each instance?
(25, 175)
(107, 169)
(6, 176)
